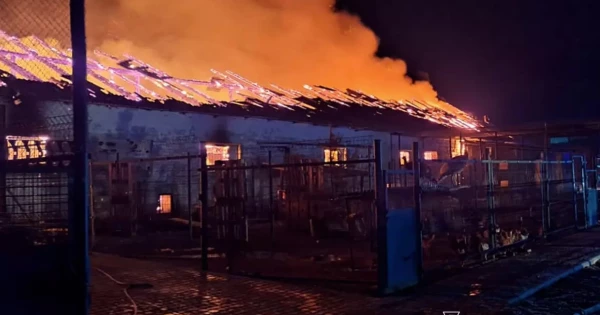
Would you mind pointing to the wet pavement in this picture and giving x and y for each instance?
(568, 296)
(178, 287)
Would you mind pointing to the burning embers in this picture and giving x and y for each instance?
(35, 60)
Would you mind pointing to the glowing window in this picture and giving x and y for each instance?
(335, 154)
(430, 155)
(21, 148)
(165, 204)
(216, 153)
(459, 147)
(404, 155)
(503, 166)
(503, 183)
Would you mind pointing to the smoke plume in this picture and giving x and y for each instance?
(287, 42)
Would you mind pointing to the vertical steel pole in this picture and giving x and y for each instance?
(575, 203)
(189, 195)
(380, 199)
(204, 201)
(417, 196)
(3, 156)
(546, 182)
(491, 200)
(271, 201)
(584, 189)
(79, 205)
(391, 161)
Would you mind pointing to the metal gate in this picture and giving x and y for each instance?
(553, 191)
(111, 190)
(481, 207)
(294, 211)
(34, 213)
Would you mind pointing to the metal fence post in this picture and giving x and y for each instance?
(584, 190)
(3, 157)
(189, 195)
(545, 183)
(204, 202)
(546, 193)
(92, 214)
(79, 208)
(271, 201)
(575, 203)
(380, 190)
(417, 195)
(491, 200)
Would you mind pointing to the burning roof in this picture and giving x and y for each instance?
(33, 59)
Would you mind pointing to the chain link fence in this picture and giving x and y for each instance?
(36, 145)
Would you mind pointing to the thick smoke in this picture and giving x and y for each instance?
(287, 42)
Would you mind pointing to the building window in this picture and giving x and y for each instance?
(503, 183)
(21, 148)
(216, 153)
(165, 204)
(404, 157)
(430, 155)
(335, 155)
(503, 166)
(459, 147)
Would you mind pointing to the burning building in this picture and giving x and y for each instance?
(139, 112)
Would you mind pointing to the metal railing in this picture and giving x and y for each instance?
(471, 209)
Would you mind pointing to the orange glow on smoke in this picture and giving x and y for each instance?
(288, 42)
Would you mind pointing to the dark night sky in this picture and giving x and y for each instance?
(515, 60)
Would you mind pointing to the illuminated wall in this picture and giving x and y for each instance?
(140, 133)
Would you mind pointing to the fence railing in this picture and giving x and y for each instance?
(471, 208)
(266, 211)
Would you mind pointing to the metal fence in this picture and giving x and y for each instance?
(472, 209)
(153, 202)
(276, 209)
(302, 218)
(36, 172)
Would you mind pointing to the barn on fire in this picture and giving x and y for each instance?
(139, 113)
(152, 139)
(274, 168)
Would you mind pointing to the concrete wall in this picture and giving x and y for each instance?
(156, 133)
(139, 133)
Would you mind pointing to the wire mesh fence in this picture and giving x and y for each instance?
(35, 169)
(301, 214)
(154, 202)
(282, 209)
(471, 208)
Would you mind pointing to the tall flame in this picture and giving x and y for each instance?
(289, 42)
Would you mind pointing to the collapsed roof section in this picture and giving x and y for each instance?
(33, 59)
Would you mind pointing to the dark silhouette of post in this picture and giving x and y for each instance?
(3, 156)
(189, 196)
(204, 202)
(79, 202)
(380, 201)
(416, 157)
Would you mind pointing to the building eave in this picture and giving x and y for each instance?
(354, 116)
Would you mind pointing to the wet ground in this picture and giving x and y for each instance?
(179, 288)
(568, 296)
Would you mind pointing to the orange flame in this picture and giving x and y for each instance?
(289, 42)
